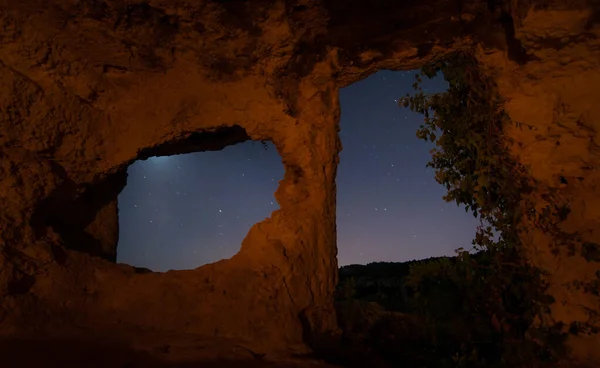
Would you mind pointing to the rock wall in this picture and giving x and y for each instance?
(87, 87)
(554, 92)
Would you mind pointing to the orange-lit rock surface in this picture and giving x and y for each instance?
(555, 93)
(87, 87)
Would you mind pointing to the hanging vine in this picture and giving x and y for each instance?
(496, 295)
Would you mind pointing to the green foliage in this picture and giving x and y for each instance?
(482, 308)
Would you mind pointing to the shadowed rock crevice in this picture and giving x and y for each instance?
(71, 208)
(387, 26)
(212, 140)
(515, 50)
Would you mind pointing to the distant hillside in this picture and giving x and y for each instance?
(380, 282)
(387, 269)
(381, 269)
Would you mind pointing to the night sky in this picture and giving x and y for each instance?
(181, 212)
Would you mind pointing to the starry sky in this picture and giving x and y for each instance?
(184, 211)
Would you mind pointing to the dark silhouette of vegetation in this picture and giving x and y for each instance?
(447, 301)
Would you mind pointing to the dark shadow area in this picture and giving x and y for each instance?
(214, 140)
(382, 24)
(72, 353)
(71, 208)
(95, 353)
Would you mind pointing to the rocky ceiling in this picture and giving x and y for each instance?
(87, 87)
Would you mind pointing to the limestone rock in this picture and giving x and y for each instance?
(87, 87)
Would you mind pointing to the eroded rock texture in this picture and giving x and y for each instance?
(87, 87)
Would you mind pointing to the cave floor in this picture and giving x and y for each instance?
(41, 353)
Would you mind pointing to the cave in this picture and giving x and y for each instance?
(88, 87)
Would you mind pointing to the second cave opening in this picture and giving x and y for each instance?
(389, 206)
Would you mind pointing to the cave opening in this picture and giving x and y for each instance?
(389, 206)
(183, 211)
(179, 205)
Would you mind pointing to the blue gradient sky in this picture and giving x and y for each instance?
(181, 212)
